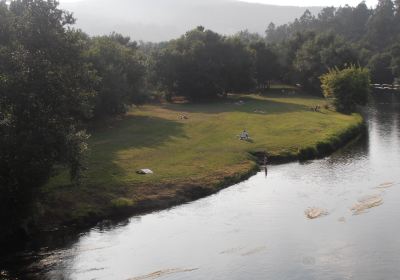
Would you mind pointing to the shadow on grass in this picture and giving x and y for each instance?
(244, 104)
(131, 132)
(102, 181)
(106, 143)
(137, 132)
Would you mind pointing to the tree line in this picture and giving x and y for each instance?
(56, 80)
(369, 37)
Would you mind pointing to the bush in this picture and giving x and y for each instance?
(347, 88)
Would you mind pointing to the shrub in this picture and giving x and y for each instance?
(347, 88)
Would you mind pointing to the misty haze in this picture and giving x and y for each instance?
(159, 20)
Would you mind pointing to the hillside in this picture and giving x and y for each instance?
(158, 20)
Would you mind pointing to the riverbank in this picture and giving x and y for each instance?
(193, 150)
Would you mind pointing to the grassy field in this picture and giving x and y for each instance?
(201, 153)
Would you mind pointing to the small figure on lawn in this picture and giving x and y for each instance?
(244, 135)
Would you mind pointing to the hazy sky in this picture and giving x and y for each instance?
(296, 2)
(314, 2)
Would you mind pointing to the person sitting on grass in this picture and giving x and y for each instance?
(244, 135)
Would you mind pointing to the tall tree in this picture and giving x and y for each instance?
(381, 68)
(203, 65)
(266, 64)
(45, 89)
(318, 55)
(381, 25)
(120, 68)
(395, 64)
(397, 7)
(236, 66)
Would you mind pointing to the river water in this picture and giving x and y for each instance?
(257, 229)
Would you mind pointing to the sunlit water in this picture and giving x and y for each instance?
(258, 229)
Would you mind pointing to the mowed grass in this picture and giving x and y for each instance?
(203, 149)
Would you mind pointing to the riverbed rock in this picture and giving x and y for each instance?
(385, 185)
(162, 273)
(314, 213)
(367, 203)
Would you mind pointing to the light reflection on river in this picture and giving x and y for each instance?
(258, 230)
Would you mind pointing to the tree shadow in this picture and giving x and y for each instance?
(131, 132)
(244, 104)
(103, 179)
(136, 132)
(106, 143)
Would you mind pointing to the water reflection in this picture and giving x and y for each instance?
(258, 229)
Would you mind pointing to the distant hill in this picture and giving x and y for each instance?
(159, 20)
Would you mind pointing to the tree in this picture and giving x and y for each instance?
(236, 66)
(120, 68)
(395, 64)
(360, 17)
(247, 37)
(327, 16)
(266, 64)
(307, 19)
(348, 87)
(397, 10)
(287, 54)
(203, 65)
(199, 75)
(319, 54)
(45, 90)
(381, 69)
(381, 25)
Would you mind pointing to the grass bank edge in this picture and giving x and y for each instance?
(322, 148)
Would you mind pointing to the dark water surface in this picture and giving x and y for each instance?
(258, 229)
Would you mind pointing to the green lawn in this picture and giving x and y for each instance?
(201, 150)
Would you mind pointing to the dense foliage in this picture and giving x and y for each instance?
(201, 65)
(45, 90)
(318, 54)
(53, 80)
(120, 73)
(368, 36)
(347, 88)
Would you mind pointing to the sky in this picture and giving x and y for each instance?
(314, 2)
(296, 2)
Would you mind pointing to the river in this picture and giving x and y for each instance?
(256, 229)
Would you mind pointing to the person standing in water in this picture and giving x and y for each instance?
(265, 163)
